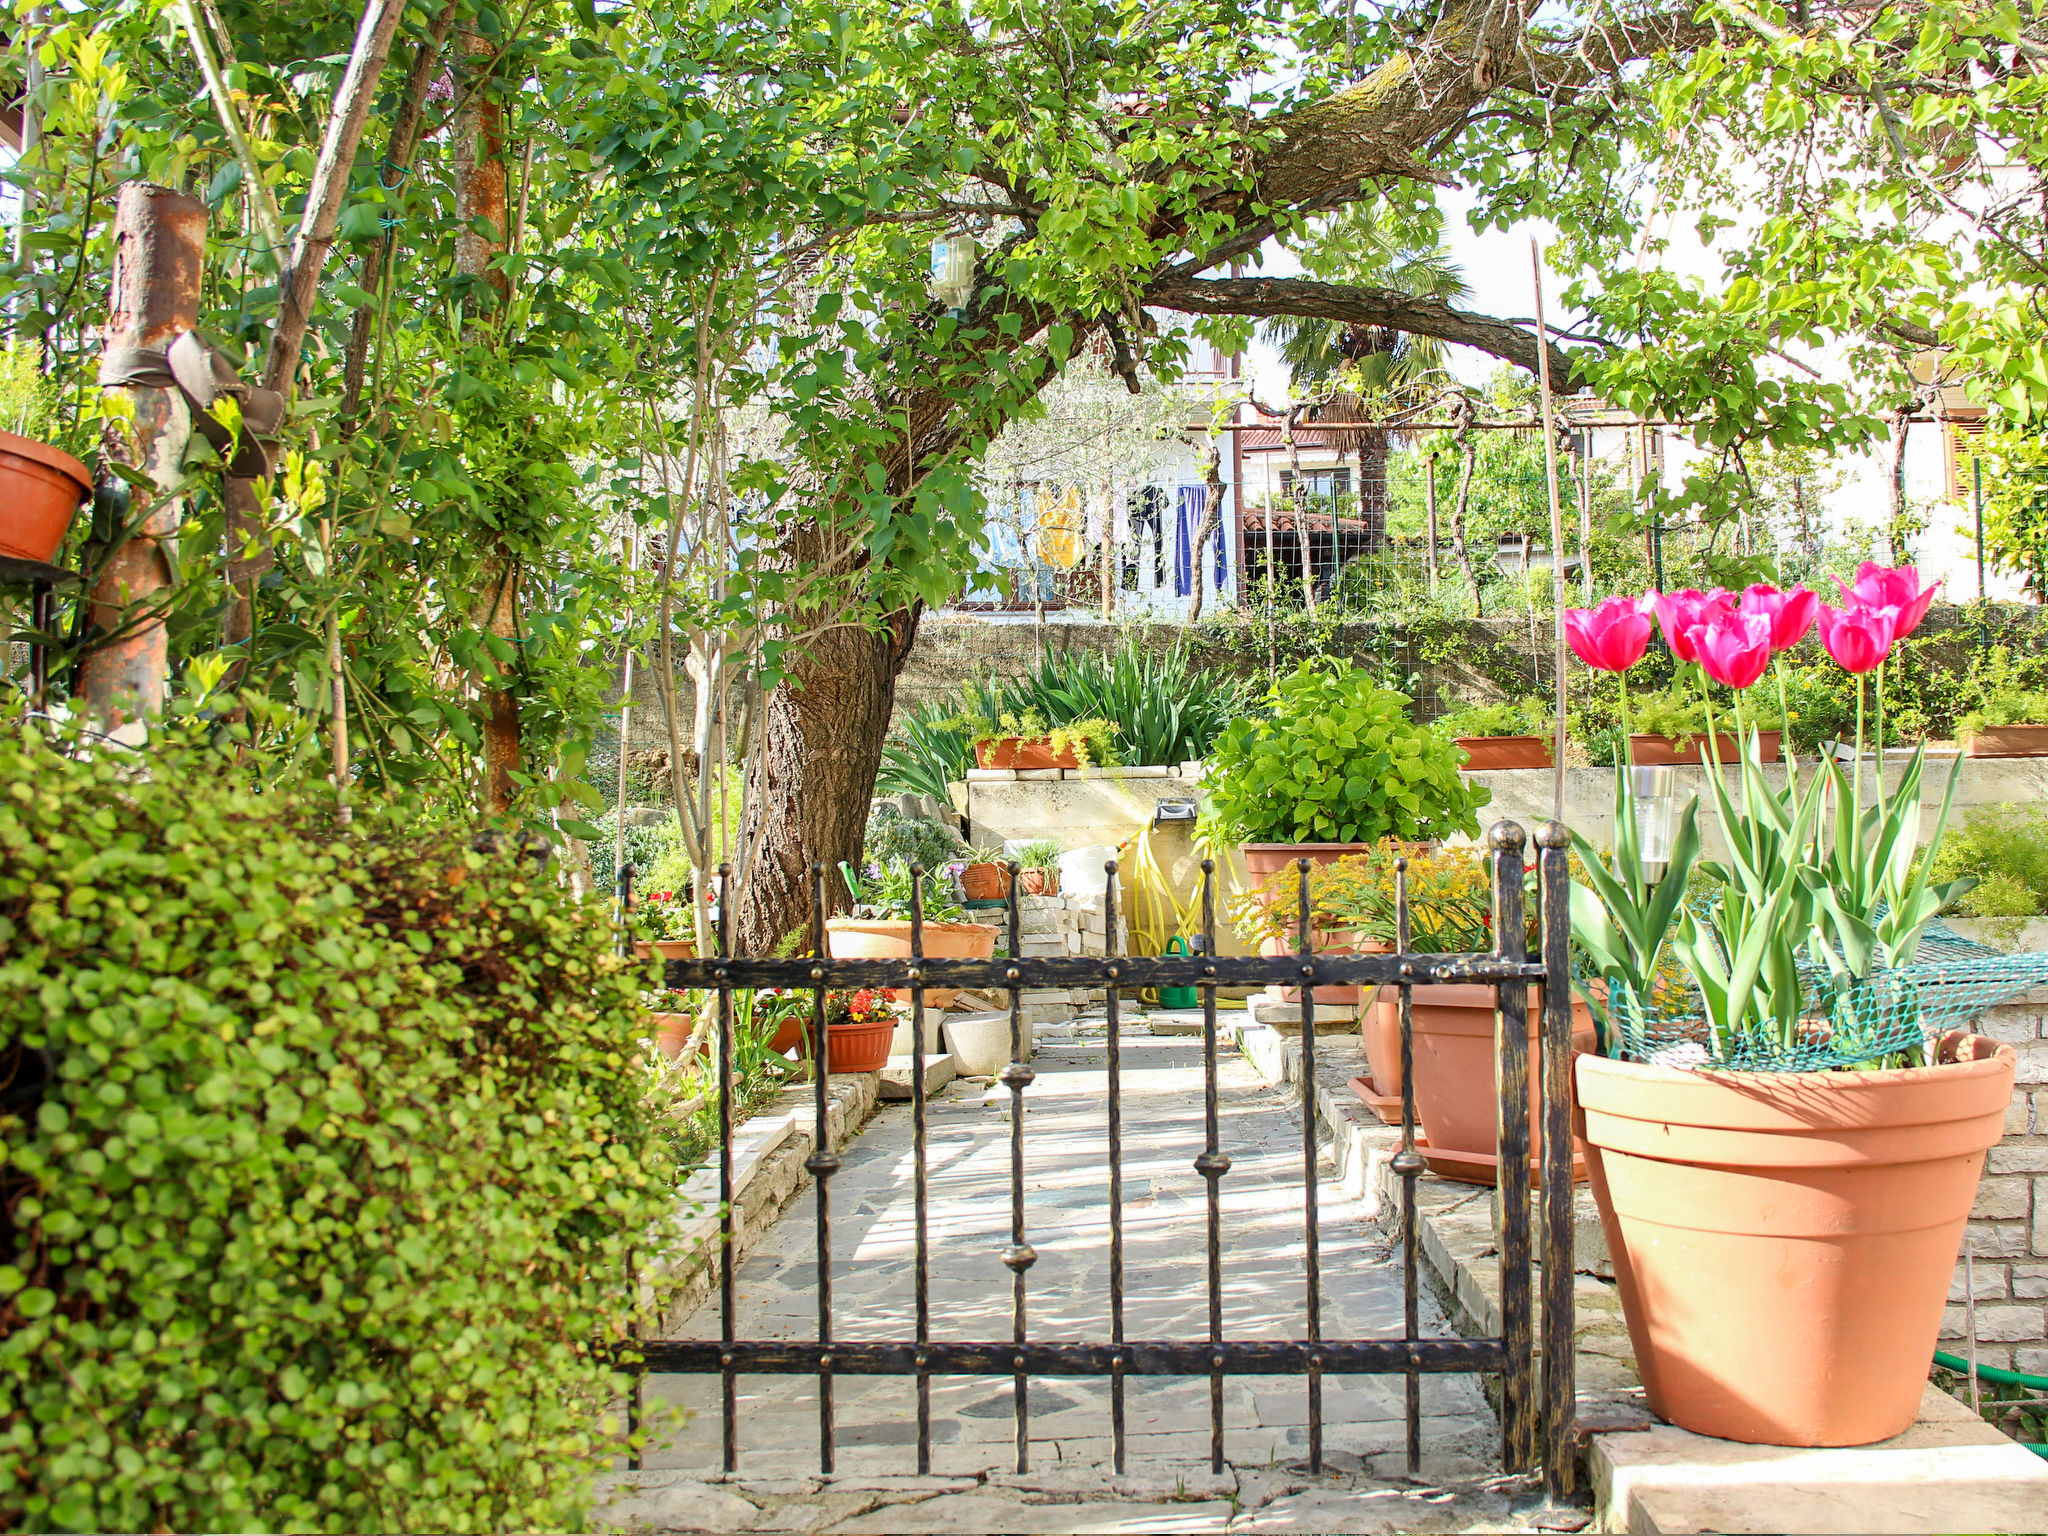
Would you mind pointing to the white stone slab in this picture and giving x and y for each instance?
(898, 1076)
(1950, 1472)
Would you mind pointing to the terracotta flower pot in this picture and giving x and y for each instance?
(2008, 741)
(1454, 1060)
(1653, 751)
(1262, 859)
(1039, 882)
(888, 938)
(668, 949)
(984, 882)
(40, 489)
(1326, 941)
(1486, 753)
(858, 1047)
(1783, 1242)
(1023, 752)
(672, 1032)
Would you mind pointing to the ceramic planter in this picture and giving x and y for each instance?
(1454, 1057)
(1486, 753)
(1023, 752)
(40, 489)
(1262, 859)
(672, 1032)
(888, 938)
(1039, 882)
(1655, 751)
(668, 949)
(858, 1047)
(1326, 941)
(1783, 1242)
(2008, 741)
(980, 1042)
(984, 882)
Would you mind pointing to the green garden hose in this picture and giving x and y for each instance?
(2001, 1377)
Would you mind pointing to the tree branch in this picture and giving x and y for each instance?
(1275, 296)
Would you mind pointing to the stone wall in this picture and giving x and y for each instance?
(1061, 926)
(2008, 1231)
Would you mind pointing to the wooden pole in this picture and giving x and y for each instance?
(1585, 479)
(159, 260)
(1429, 497)
(1556, 533)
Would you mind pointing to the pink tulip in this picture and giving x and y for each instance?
(1896, 589)
(1734, 648)
(1680, 613)
(1790, 613)
(1610, 637)
(1858, 638)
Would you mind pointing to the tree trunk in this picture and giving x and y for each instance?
(822, 737)
(1372, 487)
(1469, 452)
(1212, 519)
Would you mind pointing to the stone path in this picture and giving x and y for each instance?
(1066, 1177)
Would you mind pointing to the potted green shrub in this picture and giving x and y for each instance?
(879, 928)
(1038, 867)
(1513, 734)
(1022, 740)
(2006, 718)
(1332, 766)
(1784, 1144)
(1671, 727)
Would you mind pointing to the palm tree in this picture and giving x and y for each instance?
(1366, 370)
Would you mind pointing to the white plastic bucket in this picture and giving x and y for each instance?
(1081, 871)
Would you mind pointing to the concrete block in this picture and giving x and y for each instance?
(1040, 775)
(2003, 1198)
(991, 776)
(1998, 1240)
(1949, 1472)
(2033, 1361)
(899, 1078)
(2033, 1062)
(2015, 1026)
(2018, 1115)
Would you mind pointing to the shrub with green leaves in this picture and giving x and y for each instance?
(2006, 848)
(1509, 717)
(323, 1219)
(1335, 760)
(893, 837)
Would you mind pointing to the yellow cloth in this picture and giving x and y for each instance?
(1062, 527)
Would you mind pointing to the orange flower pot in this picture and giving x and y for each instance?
(2008, 741)
(1783, 1242)
(1454, 1058)
(1023, 752)
(1039, 882)
(1656, 751)
(880, 938)
(1325, 941)
(1262, 859)
(984, 882)
(672, 1032)
(1483, 754)
(40, 489)
(858, 1047)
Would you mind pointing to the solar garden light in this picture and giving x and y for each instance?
(952, 279)
(1658, 807)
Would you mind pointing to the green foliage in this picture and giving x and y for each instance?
(896, 838)
(2016, 502)
(1336, 760)
(1041, 854)
(885, 892)
(325, 1217)
(1512, 717)
(1167, 709)
(1999, 693)
(2006, 848)
(651, 849)
(926, 751)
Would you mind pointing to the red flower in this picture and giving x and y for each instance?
(1734, 648)
(1859, 638)
(1610, 637)
(1681, 613)
(1791, 613)
(1895, 590)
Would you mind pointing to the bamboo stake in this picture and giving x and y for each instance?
(1556, 534)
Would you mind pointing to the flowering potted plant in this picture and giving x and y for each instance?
(1331, 767)
(879, 928)
(1514, 734)
(1269, 914)
(666, 923)
(858, 1028)
(1783, 1152)
(1025, 741)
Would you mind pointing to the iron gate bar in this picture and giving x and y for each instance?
(1051, 1357)
(1129, 971)
(1510, 1355)
(1311, 1239)
(1511, 1112)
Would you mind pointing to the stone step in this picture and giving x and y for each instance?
(898, 1079)
(1286, 1017)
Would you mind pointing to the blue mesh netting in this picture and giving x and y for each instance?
(1888, 1018)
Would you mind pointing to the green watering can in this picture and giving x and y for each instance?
(1178, 997)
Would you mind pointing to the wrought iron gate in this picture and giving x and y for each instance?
(1531, 1410)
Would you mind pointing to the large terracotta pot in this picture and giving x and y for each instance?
(1783, 1242)
(1486, 753)
(2008, 741)
(40, 489)
(884, 938)
(1454, 1059)
(672, 1032)
(1023, 752)
(858, 1047)
(1654, 751)
(1326, 941)
(1262, 859)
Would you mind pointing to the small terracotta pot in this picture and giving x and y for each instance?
(1024, 753)
(2008, 741)
(672, 1032)
(1454, 1058)
(1039, 882)
(1326, 941)
(858, 1047)
(40, 489)
(888, 938)
(1483, 754)
(984, 882)
(668, 949)
(1654, 751)
(1783, 1242)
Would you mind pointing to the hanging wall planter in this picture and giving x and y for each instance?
(40, 489)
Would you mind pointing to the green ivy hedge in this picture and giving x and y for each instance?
(324, 1218)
